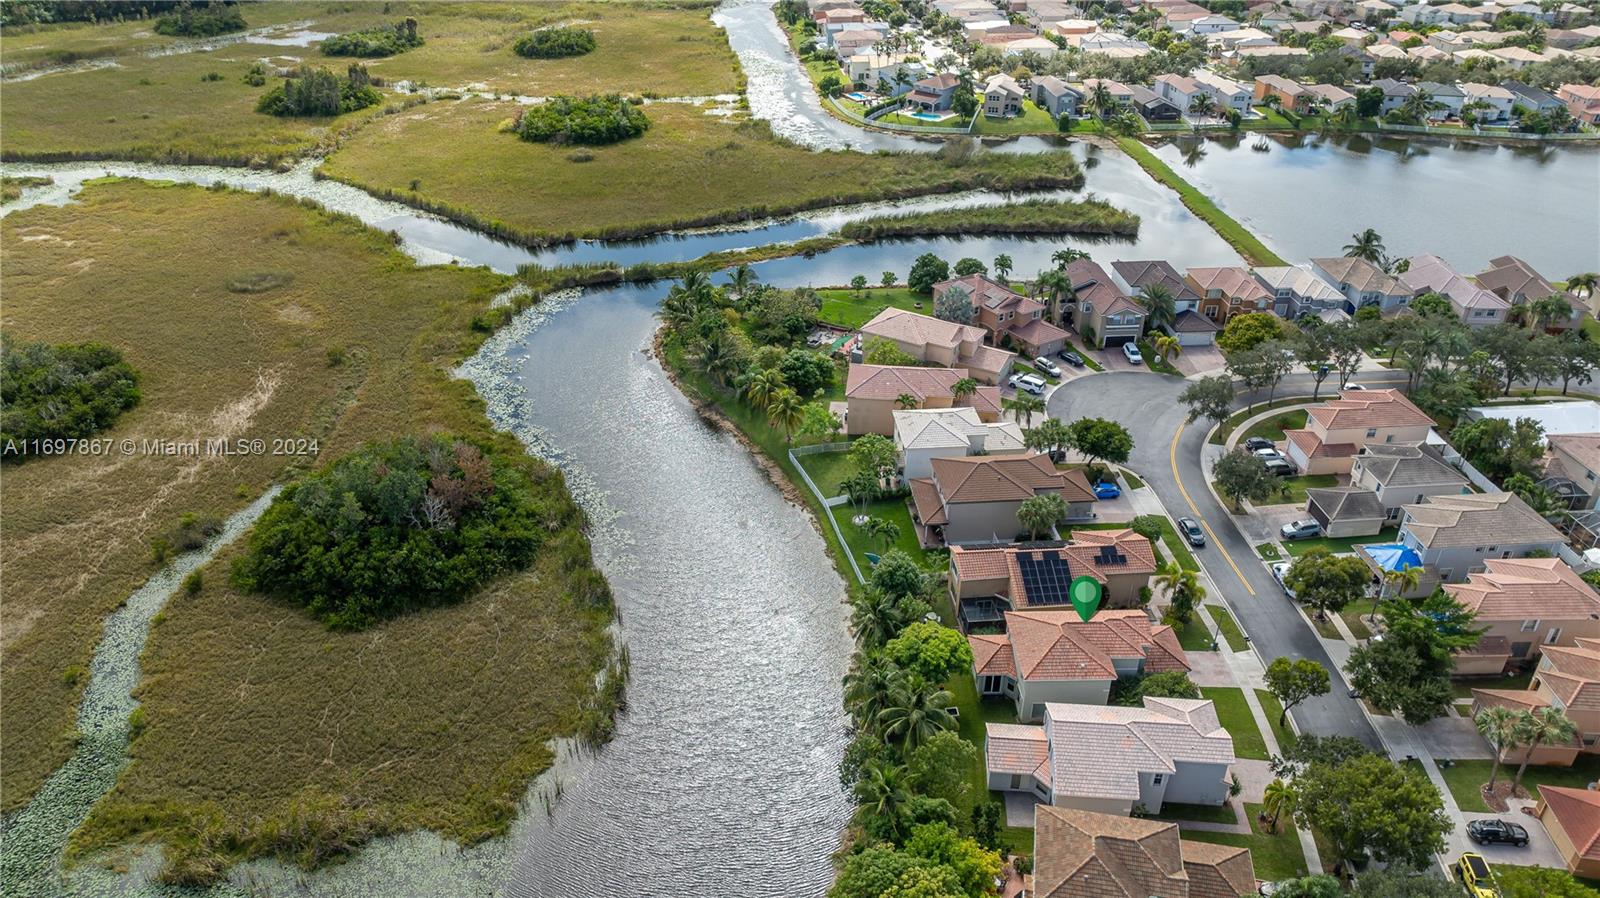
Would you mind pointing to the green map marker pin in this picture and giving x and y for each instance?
(1085, 594)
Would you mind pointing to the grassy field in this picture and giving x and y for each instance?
(437, 719)
(1220, 436)
(689, 169)
(1466, 777)
(850, 309)
(1273, 428)
(1033, 120)
(1292, 490)
(827, 470)
(1228, 627)
(1234, 713)
(1249, 246)
(1337, 544)
(1276, 855)
(1194, 636)
(1271, 707)
(893, 509)
(39, 46)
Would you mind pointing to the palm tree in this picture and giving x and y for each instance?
(1184, 592)
(882, 792)
(1127, 123)
(861, 487)
(1344, 118)
(1166, 346)
(1541, 726)
(907, 401)
(1064, 257)
(741, 279)
(1550, 310)
(718, 357)
(883, 530)
(1279, 800)
(1203, 105)
(786, 409)
(1161, 310)
(963, 388)
(1583, 284)
(762, 386)
(1100, 101)
(1023, 408)
(1040, 513)
(1498, 727)
(914, 714)
(1396, 583)
(1056, 287)
(867, 685)
(1002, 267)
(1366, 245)
(874, 618)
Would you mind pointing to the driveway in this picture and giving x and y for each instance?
(1200, 360)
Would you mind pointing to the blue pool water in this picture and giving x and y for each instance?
(858, 96)
(927, 116)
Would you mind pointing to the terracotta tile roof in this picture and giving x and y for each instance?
(1572, 674)
(1179, 82)
(1152, 272)
(1192, 322)
(1515, 699)
(1038, 332)
(1099, 752)
(979, 564)
(992, 655)
(1368, 408)
(1281, 85)
(1006, 478)
(1059, 645)
(1577, 811)
(1312, 445)
(1330, 93)
(920, 330)
(925, 496)
(1082, 554)
(1016, 748)
(889, 381)
(1583, 447)
(1361, 275)
(941, 82)
(1234, 282)
(988, 293)
(1525, 588)
(1094, 286)
(1477, 520)
(1431, 273)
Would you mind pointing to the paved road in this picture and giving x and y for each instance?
(1167, 455)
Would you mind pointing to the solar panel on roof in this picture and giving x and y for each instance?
(1110, 556)
(1045, 578)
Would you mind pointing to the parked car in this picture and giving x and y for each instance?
(1047, 366)
(1352, 386)
(1071, 358)
(1104, 490)
(1300, 529)
(1473, 871)
(1190, 528)
(1490, 831)
(1257, 443)
(1130, 351)
(1029, 383)
(1281, 570)
(1279, 467)
(1269, 453)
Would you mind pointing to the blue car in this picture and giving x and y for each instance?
(1105, 490)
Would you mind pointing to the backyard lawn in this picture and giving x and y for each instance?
(851, 309)
(1465, 777)
(1273, 428)
(1292, 490)
(860, 543)
(1276, 855)
(1338, 544)
(1234, 713)
(1271, 707)
(1033, 120)
(827, 470)
(1227, 627)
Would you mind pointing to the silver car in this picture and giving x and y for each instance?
(1281, 570)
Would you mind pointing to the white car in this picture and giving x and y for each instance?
(1131, 352)
(1269, 455)
(1028, 383)
(1047, 366)
(1279, 571)
(1352, 386)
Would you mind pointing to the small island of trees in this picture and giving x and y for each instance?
(208, 21)
(310, 91)
(582, 120)
(60, 392)
(555, 43)
(370, 43)
(393, 528)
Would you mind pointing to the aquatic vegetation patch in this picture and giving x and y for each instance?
(203, 21)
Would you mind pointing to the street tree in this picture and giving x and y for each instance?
(1313, 349)
(1209, 397)
(1292, 682)
(1278, 800)
(1100, 439)
(1184, 592)
(1052, 435)
(1576, 358)
(1248, 331)
(1370, 806)
(1023, 407)
(1409, 669)
(1260, 368)
(1326, 582)
(1240, 475)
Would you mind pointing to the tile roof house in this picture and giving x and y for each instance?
(1297, 290)
(1153, 106)
(1102, 313)
(940, 342)
(1056, 656)
(1002, 96)
(1190, 327)
(1529, 97)
(1179, 90)
(1572, 467)
(1532, 603)
(986, 583)
(935, 93)
(1476, 306)
(1290, 95)
(1226, 292)
(974, 500)
(872, 393)
(1363, 283)
(1395, 92)
(921, 435)
(1082, 854)
(1337, 429)
(1007, 315)
(1457, 535)
(1112, 760)
(1447, 99)
(1401, 474)
(1345, 510)
(1566, 677)
(1572, 817)
(1582, 101)
(1330, 97)
(1227, 93)
(1516, 282)
(1055, 96)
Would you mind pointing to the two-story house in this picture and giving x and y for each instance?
(1572, 468)
(1525, 605)
(1567, 677)
(1102, 313)
(1056, 656)
(1402, 474)
(1338, 429)
(1296, 290)
(1189, 327)
(974, 501)
(1077, 852)
(935, 93)
(1114, 760)
(1395, 93)
(1225, 92)
(1055, 96)
(1226, 292)
(1516, 282)
(924, 434)
(1447, 99)
(1455, 536)
(1476, 306)
(874, 392)
(1494, 101)
(940, 342)
(1289, 94)
(1009, 317)
(1362, 283)
(1179, 90)
(987, 582)
(1002, 97)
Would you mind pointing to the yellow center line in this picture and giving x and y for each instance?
(1172, 458)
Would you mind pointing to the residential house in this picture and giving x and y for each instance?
(891, 73)
(1330, 97)
(1363, 283)
(1456, 535)
(1572, 468)
(1082, 853)
(1447, 99)
(1582, 101)
(1423, 14)
(1113, 760)
(1351, 37)
(934, 94)
(1055, 96)
(1401, 474)
(1075, 27)
(1056, 656)
(1365, 60)
(974, 501)
(1375, 9)
(1297, 290)
(1274, 20)
(873, 392)
(1153, 106)
(1178, 90)
(1008, 316)
(1227, 41)
(1345, 510)
(1380, 52)
(1476, 306)
(1395, 93)
(1042, 46)
(1516, 282)
(940, 342)
(986, 583)
(1581, 416)
(855, 40)
(1531, 98)
(1426, 54)
(1226, 292)
(1289, 95)
(1516, 58)
(1338, 429)
(1121, 94)
(1207, 24)
(1189, 327)
(1565, 677)
(1112, 45)
(1494, 101)
(1459, 14)
(1226, 93)
(1002, 97)
(1572, 818)
(1526, 605)
(922, 435)
(1101, 313)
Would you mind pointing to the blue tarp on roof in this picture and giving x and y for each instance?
(1394, 556)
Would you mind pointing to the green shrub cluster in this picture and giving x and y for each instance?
(383, 40)
(208, 21)
(66, 391)
(555, 43)
(320, 92)
(584, 120)
(395, 527)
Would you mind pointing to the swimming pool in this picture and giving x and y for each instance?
(928, 116)
(857, 95)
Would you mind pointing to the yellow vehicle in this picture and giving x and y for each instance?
(1473, 871)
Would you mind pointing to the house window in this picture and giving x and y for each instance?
(1551, 637)
(1372, 432)
(1530, 625)
(1016, 781)
(1086, 307)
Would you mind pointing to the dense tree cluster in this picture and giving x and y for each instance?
(1409, 670)
(213, 19)
(395, 527)
(319, 92)
(591, 121)
(369, 43)
(61, 392)
(555, 43)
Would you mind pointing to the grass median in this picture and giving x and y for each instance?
(1249, 246)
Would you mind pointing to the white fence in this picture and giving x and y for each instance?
(1482, 132)
(856, 117)
(828, 502)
